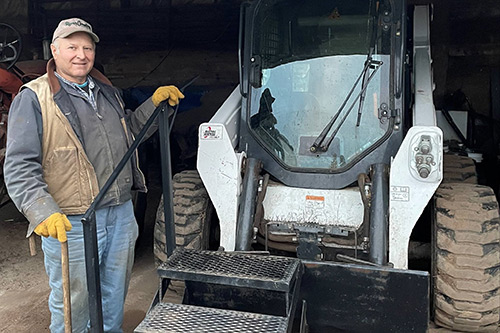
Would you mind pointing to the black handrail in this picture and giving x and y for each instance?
(89, 225)
(89, 222)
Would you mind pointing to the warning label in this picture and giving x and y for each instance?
(211, 132)
(400, 193)
(315, 197)
(314, 210)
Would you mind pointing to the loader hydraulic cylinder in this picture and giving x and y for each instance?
(379, 214)
(248, 203)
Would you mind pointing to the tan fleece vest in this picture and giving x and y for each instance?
(67, 171)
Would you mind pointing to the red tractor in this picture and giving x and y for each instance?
(13, 75)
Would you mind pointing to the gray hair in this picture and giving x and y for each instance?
(56, 45)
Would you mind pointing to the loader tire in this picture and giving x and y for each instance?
(459, 169)
(193, 212)
(466, 258)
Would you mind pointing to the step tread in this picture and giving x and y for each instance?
(231, 268)
(168, 317)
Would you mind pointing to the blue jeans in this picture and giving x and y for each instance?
(117, 232)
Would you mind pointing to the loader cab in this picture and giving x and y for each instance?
(322, 85)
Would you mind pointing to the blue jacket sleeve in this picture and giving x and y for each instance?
(23, 160)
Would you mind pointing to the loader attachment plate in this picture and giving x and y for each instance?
(355, 298)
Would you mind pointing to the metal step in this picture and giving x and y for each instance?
(168, 317)
(232, 269)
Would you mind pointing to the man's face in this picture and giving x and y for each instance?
(74, 57)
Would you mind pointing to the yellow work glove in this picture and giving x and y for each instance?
(55, 226)
(167, 92)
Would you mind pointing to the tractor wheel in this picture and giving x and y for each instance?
(193, 212)
(459, 169)
(466, 258)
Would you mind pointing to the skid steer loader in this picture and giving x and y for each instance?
(311, 179)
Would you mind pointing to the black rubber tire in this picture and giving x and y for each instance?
(459, 169)
(193, 213)
(466, 253)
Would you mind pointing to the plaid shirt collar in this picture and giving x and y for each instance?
(88, 96)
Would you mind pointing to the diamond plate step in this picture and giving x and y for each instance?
(168, 317)
(232, 269)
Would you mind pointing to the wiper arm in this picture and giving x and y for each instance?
(375, 65)
(373, 40)
(321, 137)
(362, 97)
(362, 92)
(318, 143)
(369, 63)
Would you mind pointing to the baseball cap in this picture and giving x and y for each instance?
(72, 25)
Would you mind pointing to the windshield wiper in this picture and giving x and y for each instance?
(369, 64)
(318, 143)
(373, 40)
(362, 97)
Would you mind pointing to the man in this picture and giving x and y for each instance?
(67, 132)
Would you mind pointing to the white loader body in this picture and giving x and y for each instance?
(220, 168)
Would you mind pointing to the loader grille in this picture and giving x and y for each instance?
(167, 317)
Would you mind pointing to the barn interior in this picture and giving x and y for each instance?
(148, 43)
